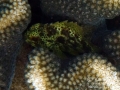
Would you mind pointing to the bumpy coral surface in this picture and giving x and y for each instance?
(87, 72)
(111, 46)
(83, 11)
(14, 18)
(12, 15)
(61, 37)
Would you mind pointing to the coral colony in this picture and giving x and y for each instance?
(14, 18)
(64, 56)
(86, 72)
(82, 11)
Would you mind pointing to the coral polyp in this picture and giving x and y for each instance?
(111, 46)
(14, 17)
(86, 72)
(12, 14)
(61, 37)
(82, 11)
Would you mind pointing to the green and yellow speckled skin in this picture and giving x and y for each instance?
(61, 37)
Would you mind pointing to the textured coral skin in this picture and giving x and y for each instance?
(20, 38)
(14, 18)
(111, 47)
(61, 37)
(87, 72)
(82, 11)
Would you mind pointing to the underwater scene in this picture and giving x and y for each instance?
(59, 44)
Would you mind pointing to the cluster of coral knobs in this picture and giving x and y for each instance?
(78, 53)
